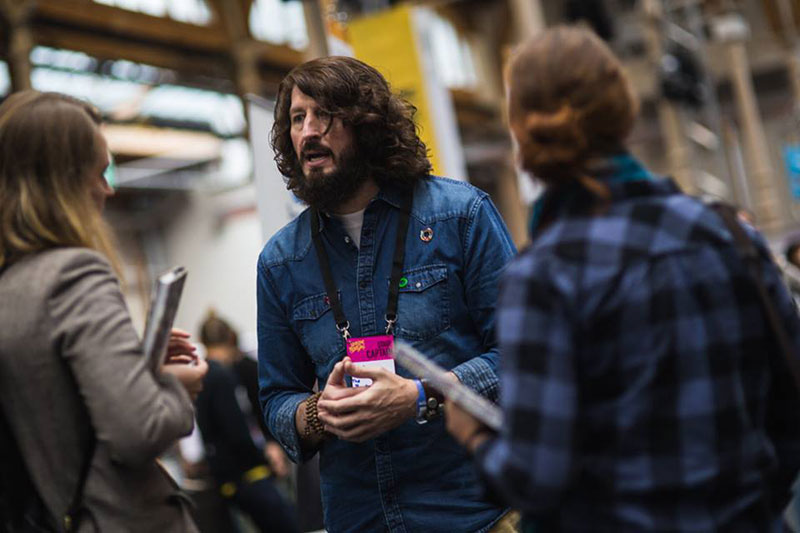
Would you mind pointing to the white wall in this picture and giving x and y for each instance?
(218, 239)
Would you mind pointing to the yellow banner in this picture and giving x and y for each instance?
(387, 41)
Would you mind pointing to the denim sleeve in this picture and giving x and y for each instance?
(487, 250)
(529, 465)
(285, 373)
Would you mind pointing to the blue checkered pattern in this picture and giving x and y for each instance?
(636, 376)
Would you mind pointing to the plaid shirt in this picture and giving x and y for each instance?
(636, 380)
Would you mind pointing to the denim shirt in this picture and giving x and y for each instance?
(414, 477)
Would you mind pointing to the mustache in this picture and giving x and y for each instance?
(314, 147)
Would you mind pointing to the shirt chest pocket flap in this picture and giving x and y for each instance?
(423, 306)
(316, 327)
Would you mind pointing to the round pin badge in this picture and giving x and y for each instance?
(403, 282)
(426, 235)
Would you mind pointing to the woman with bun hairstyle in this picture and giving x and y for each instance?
(82, 415)
(637, 377)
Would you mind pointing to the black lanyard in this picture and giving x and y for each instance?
(342, 324)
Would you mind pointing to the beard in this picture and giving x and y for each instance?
(327, 191)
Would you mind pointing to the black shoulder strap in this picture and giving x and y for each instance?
(71, 517)
(749, 254)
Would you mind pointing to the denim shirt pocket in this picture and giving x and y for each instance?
(316, 327)
(423, 307)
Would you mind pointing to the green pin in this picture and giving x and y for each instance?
(403, 282)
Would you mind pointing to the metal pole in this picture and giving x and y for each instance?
(733, 31)
(668, 114)
(786, 15)
(315, 24)
(528, 18)
(20, 41)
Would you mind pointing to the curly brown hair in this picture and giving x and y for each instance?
(384, 132)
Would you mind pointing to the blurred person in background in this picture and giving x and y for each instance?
(349, 149)
(639, 380)
(237, 463)
(222, 345)
(84, 417)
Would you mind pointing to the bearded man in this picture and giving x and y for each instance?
(385, 251)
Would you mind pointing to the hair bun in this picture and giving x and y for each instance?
(553, 141)
(569, 100)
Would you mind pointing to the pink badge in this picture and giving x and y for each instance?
(375, 348)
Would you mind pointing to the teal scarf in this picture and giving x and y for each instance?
(619, 168)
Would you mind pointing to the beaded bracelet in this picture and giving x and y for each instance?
(313, 425)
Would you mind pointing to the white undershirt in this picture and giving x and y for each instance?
(352, 223)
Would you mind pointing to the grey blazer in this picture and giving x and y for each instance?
(62, 315)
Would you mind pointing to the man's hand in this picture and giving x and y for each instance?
(465, 428)
(358, 413)
(335, 389)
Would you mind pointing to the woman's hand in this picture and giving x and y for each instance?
(179, 349)
(190, 375)
(465, 428)
(277, 459)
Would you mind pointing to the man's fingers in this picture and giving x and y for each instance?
(358, 433)
(344, 403)
(349, 403)
(338, 393)
(363, 372)
(344, 425)
(336, 376)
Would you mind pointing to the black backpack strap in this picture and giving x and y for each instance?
(749, 253)
(72, 516)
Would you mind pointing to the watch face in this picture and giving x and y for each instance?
(433, 403)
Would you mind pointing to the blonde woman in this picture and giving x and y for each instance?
(79, 406)
(638, 382)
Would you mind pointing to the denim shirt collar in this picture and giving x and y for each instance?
(389, 194)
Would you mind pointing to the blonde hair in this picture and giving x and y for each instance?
(48, 148)
(569, 101)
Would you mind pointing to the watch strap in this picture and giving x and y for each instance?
(434, 400)
(422, 404)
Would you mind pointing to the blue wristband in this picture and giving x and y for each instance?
(421, 402)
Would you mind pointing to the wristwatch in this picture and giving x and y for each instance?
(429, 402)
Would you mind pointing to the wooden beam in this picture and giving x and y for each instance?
(122, 22)
(233, 15)
(105, 47)
(17, 14)
(121, 26)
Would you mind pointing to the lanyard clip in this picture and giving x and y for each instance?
(344, 329)
(390, 322)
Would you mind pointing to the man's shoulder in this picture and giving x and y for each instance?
(290, 243)
(440, 198)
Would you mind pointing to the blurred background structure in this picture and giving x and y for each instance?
(186, 88)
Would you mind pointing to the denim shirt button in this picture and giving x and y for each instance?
(347, 240)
